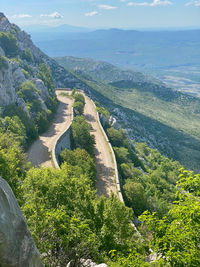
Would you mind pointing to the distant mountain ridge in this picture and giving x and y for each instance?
(64, 28)
(128, 47)
(170, 55)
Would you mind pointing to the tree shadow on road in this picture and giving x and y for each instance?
(90, 118)
(59, 118)
(105, 177)
(38, 154)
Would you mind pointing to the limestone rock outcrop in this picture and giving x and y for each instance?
(13, 72)
(17, 248)
(7, 88)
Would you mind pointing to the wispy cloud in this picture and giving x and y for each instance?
(193, 3)
(154, 3)
(54, 15)
(21, 16)
(91, 14)
(106, 7)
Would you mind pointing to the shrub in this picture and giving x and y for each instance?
(44, 73)
(9, 43)
(31, 130)
(27, 55)
(79, 98)
(81, 135)
(116, 137)
(3, 63)
(78, 108)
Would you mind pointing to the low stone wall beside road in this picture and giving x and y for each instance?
(62, 142)
(118, 185)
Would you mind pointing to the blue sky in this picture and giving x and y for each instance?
(104, 13)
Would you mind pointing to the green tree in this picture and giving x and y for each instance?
(176, 236)
(128, 171)
(79, 98)
(42, 122)
(135, 195)
(12, 161)
(9, 43)
(3, 63)
(27, 55)
(44, 73)
(73, 91)
(78, 108)
(84, 163)
(116, 137)
(28, 92)
(81, 135)
(122, 154)
(30, 128)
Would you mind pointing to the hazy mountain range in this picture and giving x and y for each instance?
(171, 55)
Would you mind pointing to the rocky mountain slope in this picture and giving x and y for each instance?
(17, 247)
(19, 62)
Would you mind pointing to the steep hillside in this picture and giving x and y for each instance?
(100, 70)
(172, 56)
(28, 79)
(19, 62)
(150, 111)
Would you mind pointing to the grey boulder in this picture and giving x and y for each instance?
(17, 248)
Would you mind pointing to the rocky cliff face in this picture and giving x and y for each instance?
(23, 66)
(16, 244)
(11, 76)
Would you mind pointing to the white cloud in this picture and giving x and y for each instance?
(154, 3)
(106, 7)
(21, 16)
(193, 3)
(91, 14)
(54, 15)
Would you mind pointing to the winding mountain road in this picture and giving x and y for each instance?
(39, 153)
(104, 162)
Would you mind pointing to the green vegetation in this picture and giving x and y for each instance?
(3, 63)
(82, 160)
(31, 130)
(148, 178)
(13, 125)
(29, 92)
(27, 75)
(9, 43)
(67, 219)
(65, 94)
(44, 73)
(176, 235)
(81, 137)
(102, 110)
(42, 115)
(70, 222)
(27, 55)
(79, 103)
(156, 114)
(73, 91)
(13, 163)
